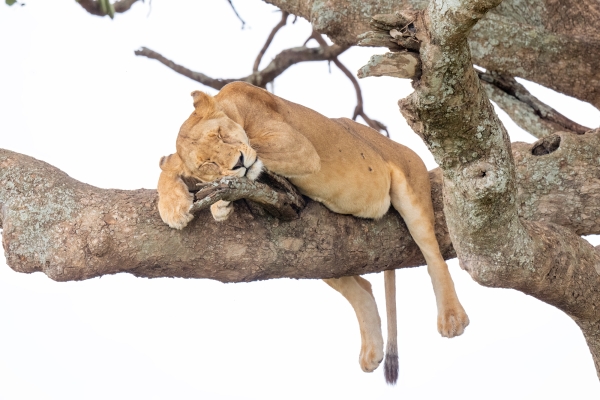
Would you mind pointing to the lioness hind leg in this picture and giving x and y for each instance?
(417, 211)
(358, 292)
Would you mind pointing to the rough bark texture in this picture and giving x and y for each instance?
(494, 243)
(70, 230)
(525, 109)
(537, 40)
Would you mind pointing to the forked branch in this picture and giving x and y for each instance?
(276, 67)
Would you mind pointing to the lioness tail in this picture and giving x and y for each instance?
(391, 352)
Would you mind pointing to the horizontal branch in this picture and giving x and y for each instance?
(75, 231)
(196, 76)
(276, 67)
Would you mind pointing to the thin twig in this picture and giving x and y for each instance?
(358, 110)
(281, 24)
(236, 14)
(277, 196)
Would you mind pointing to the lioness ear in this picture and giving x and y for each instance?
(171, 163)
(204, 103)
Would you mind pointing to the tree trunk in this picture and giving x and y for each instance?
(494, 243)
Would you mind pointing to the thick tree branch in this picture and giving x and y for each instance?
(71, 230)
(276, 67)
(498, 247)
(525, 109)
(537, 40)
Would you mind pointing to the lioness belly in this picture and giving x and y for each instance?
(349, 187)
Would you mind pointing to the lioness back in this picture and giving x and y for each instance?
(356, 161)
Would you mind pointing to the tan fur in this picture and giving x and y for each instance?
(348, 167)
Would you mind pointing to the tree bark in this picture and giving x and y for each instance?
(71, 231)
(537, 40)
(494, 243)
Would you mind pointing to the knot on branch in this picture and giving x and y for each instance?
(546, 145)
(272, 192)
(397, 32)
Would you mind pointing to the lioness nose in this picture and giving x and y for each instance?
(240, 162)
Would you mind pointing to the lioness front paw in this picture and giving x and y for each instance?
(175, 210)
(452, 321)
(221, 210)
(371, 356)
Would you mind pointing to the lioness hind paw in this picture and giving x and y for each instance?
(370, 359)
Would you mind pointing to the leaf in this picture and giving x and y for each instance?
(103, 6)
(111, 9)
(10, 2)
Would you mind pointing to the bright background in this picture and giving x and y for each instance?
(73, 94)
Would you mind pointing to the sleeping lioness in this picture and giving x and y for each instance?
(350, 168)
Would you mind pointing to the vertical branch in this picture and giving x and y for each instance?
(281, 24)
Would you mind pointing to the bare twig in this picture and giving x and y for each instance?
(276, 67)
(525, 109)
(279, 198)
(197, 76)
(358, 110)
(281, 24)
(93, 6)
(236, 14)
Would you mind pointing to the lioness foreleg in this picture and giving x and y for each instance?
(174, 198)
(358, 292)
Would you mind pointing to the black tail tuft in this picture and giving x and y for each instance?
(391, 364)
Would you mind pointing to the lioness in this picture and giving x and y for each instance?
(350, 168)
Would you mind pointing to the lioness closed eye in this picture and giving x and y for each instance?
(348, 167)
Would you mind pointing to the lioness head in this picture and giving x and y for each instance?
(210, 145)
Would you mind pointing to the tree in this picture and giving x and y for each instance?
(450, 112)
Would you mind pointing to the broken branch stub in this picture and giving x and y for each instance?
(399, 65)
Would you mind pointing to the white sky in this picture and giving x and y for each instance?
(73, 94)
